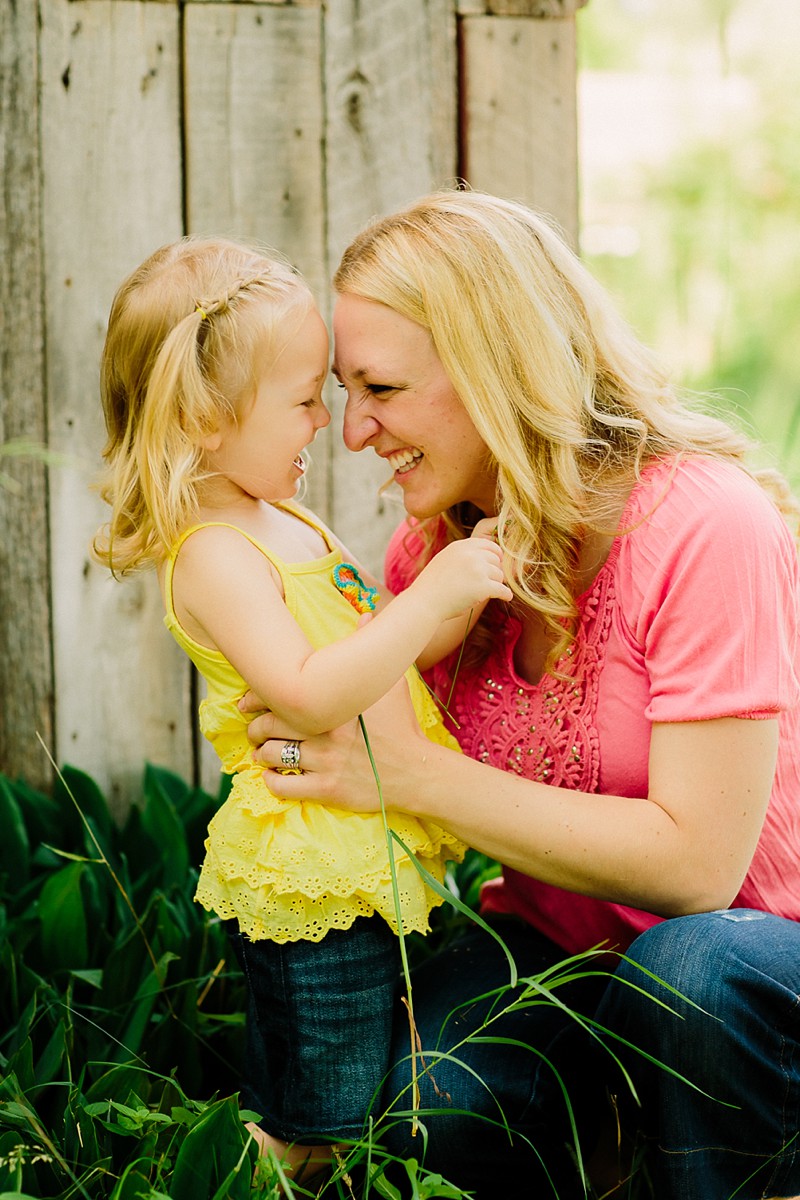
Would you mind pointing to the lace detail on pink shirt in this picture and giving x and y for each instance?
(545, 731)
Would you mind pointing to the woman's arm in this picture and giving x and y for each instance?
(685, 847)
(230, 593)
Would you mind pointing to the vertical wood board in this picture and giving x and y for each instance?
(390, 70)
(112, 194)
(254, 142)
(520, 8)
(254, 158)
(25, 665)
(254, 129)
(520, 112)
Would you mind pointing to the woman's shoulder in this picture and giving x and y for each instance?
(696, 494)
(698, 521)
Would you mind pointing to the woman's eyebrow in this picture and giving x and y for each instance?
(360, 373)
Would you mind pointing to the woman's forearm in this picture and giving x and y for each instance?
(569, 839)
(650, 852)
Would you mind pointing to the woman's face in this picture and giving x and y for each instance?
(402, 404)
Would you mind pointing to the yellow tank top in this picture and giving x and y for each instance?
(292, 870)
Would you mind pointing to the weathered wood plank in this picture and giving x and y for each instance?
(250, 3)
(254, 129)
(520, 8)
(26, 682)
(390, 69)
(254, 156)
(520, 134)
(112, 193)
(258, 3)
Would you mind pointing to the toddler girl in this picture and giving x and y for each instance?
(212, 377)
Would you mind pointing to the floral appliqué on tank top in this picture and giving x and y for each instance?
(545, 731)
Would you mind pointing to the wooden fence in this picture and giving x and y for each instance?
(126, 123)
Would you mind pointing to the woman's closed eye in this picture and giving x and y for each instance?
(379, 389)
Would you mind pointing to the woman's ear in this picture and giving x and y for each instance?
(212, 442)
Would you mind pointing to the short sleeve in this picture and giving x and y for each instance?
(712, 587)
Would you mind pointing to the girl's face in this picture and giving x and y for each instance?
(402, 404)
(261, 453)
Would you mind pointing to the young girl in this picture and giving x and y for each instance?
(212, 378)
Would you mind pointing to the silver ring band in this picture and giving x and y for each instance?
(290, 755)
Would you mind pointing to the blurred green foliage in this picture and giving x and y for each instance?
(708, 275)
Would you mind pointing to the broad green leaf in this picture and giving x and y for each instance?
(170, 785)
(141, 1009)
(133, 1184)
(44, 818)
(75, 788)
(21, 1063)
(49, 1062)
(14, 843)
(160, 820)
(213, 1153)
(382, 1186)
(114, 1084)
(94, 977)
(63, 935)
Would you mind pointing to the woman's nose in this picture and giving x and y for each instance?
(359, 426)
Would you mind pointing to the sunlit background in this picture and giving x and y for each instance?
(690, 193)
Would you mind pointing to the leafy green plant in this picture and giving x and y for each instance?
(120, 1001)
(121, 1004)
(113, 985)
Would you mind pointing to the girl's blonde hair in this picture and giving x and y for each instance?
(569, 403)
(185, 333)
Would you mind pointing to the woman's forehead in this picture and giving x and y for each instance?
(370, 337)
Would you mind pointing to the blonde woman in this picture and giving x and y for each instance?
(631, 724)
(212, 380)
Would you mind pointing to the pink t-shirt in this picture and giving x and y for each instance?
(694, 615)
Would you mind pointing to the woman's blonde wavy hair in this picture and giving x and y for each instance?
(184, 335)
(569, 403)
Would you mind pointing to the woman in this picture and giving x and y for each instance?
(631, 721)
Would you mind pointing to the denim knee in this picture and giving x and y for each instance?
(720, 1015)
(707, 956)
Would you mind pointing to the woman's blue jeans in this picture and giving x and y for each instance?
(729, 1129)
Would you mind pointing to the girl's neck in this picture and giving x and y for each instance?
(271, 524)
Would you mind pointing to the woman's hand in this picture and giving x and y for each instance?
(335, 766)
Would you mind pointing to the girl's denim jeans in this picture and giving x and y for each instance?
(319, 1024)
